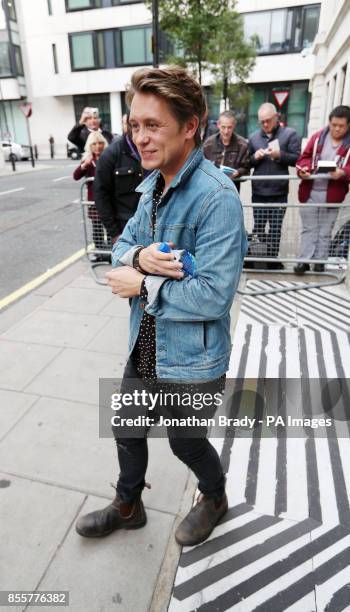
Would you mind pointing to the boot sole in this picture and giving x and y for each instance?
(142, 523)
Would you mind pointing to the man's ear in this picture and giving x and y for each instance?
(191, 127)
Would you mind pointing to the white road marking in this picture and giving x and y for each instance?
(11, 191)
(61, 178)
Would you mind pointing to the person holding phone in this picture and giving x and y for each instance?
(89, 122)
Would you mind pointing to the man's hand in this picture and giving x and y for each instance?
(274, 154)
(234, 175)
(303, 172)
(125, 281)
(155, 262)
(259, 154)
(337, 174)
(84, 116)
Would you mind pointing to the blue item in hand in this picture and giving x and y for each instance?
(164, 247)
(185, 257)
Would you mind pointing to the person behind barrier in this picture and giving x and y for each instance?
(272, 149)
(228, 148)
(95, 144)
(89, 122)
(179, 326)
(331, 144)
(118, 173)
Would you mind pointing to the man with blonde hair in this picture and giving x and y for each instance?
(179, 325)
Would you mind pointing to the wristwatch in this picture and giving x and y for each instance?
(135, 262)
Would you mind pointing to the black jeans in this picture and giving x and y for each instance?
(196, 452)
(274, 217)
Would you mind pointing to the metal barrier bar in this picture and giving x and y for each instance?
(97, 242)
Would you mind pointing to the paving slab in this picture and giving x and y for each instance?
(76, 299)
(117, 307)
(34, 520)
(74, 375)
(13, 407)
(16, 312)
(66, 434)
(86, 281)
(113, 338)
(114, 573)
(62, 279)
(55, 328)
(20, 363)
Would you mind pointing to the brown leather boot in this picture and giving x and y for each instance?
(201, 520)
(118, 515)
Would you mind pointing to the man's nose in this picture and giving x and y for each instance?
(141, 135)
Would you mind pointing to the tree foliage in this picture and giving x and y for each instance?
(208, 34)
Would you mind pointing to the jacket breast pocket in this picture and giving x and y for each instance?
(126, 179)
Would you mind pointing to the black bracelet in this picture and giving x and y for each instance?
(135, 261)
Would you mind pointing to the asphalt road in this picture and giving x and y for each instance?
(40, 224)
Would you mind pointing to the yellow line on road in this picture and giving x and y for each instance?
(39, 280)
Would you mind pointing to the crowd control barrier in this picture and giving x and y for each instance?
(275, 240)
(274, 234)
(98, 245)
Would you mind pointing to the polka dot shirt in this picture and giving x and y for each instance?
(144, 353)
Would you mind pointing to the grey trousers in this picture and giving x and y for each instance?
(316, 232)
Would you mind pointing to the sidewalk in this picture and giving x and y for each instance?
(54, 345)
(23, 169)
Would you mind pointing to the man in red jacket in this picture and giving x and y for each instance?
(330, 144)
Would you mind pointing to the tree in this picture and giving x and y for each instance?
(232, 59)
(208, 34)
(189, 24)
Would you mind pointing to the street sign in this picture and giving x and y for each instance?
(26, 109)
(281, 97)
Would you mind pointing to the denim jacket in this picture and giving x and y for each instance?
(200, 212)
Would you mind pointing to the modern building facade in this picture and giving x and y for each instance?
(330, 82)
(80, 53)
(12, 83)
(284, 64)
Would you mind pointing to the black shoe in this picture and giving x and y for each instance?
(201, 520)
(319, 267)
(275, 265)
(118, 515)
(300, 268)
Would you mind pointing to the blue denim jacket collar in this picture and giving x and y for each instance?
(194, 159)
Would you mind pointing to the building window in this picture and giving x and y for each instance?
(11, 9)
(54, 57)
(49, 7)
(282, 30)
(113, 48)
(135, 46)
(116, 2)
(18, 60)
(5, 64)
(80, 5)
(87, 50)
(310, 25)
